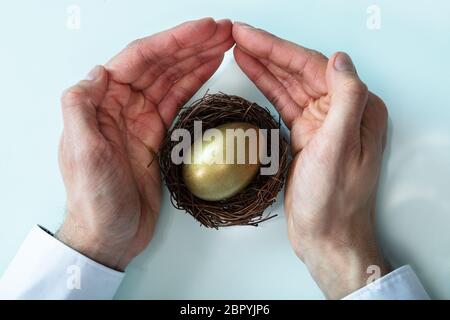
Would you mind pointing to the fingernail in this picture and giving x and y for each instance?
(94, 73)
(243, 24)
(343, 62)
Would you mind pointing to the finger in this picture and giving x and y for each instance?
(299, 92)
(295, 88)
(130, 64)
(159, 88)
(185, 88)
(348, 98)
(309, 64)
(274, 91)
(79, 103)
(220, 40)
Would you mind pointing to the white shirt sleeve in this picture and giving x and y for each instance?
(400, 284)
(45, 268)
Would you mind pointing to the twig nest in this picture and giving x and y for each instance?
(221, 195)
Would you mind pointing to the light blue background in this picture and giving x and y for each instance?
(406, 62)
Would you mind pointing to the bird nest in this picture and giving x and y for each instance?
(246, 207)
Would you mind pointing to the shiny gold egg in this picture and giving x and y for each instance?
(218, 171)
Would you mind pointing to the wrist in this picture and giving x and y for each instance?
(340, 270)
(90, 244)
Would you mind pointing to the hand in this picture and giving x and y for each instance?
(337, 134)
(114, 124)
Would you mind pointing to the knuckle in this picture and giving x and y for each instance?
(383, 108)
(134, 43)
(356, 87)
(379, 106)
(376, 100)
(74, 96)
(383, 111)
(318, 55)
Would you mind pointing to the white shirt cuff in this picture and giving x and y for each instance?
(400, 284)
(45, 268)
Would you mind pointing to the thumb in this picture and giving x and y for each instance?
(348, 97)
(80, 102)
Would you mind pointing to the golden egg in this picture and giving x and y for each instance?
(218, 171)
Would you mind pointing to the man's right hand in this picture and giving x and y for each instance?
(338, 133)
(114, 124)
